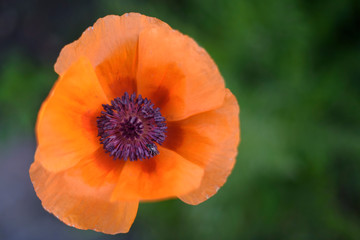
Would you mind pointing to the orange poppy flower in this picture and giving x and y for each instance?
(140, 112)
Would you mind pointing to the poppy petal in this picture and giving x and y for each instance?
(177, 75)
(70, 199)
(111, 45)
(163, 176)
(98, 169)
(210, 140)
(66, 126)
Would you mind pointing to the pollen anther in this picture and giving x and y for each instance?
(130, 128)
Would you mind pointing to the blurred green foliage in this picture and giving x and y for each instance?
(295, 69)
(23, 86)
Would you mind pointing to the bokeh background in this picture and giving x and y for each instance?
(295, 68)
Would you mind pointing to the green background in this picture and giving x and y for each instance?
(294, 66)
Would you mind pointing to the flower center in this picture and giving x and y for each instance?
(129, 128)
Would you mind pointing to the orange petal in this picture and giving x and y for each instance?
(139, 53)
(176, 74)
(73, 201)
(111, 45)
(98, 169)
(210, 140)
(164, 176)
(66, 126)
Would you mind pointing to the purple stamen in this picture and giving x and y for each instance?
(129, 128)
